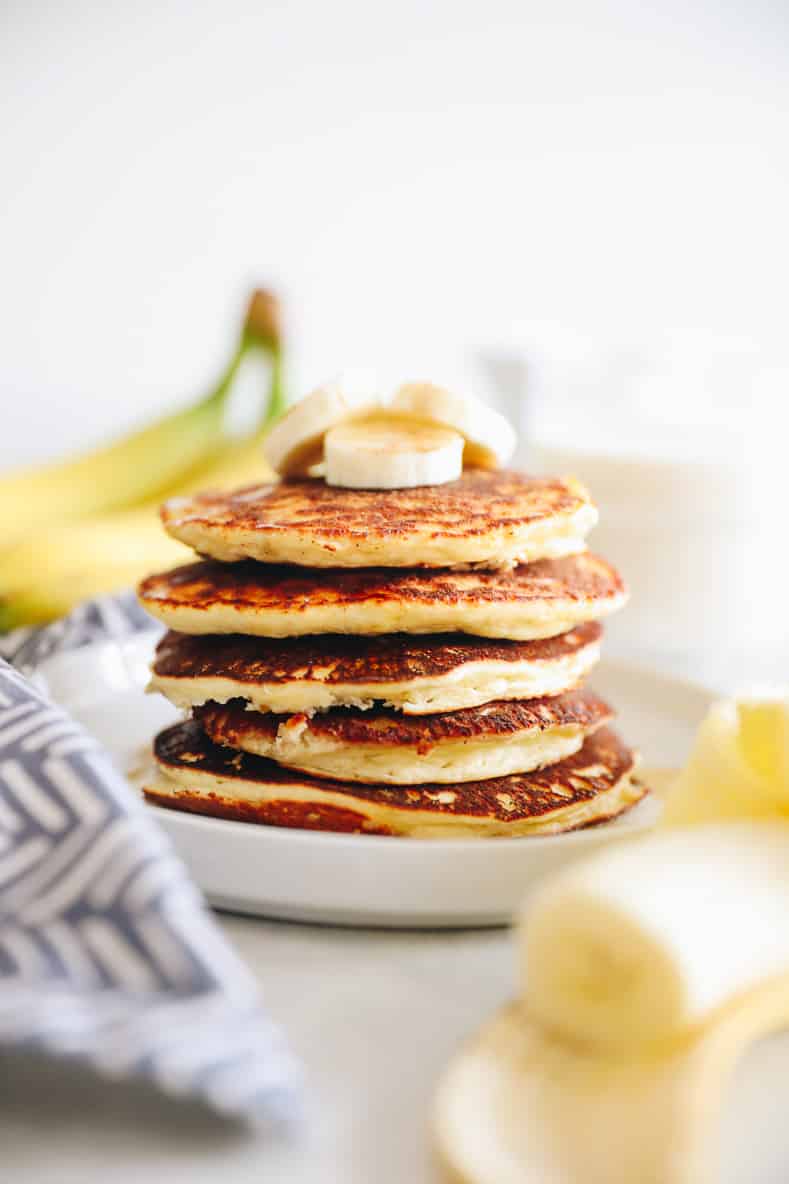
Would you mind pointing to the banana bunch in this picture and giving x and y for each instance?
(89, 526)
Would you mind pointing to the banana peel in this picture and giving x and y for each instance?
(536, 1103)
(520, 1106)
(739, 764)
(146, 464)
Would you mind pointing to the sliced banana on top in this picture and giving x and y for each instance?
(295, 444)
(490, 438)
(387, 452)
(423, 436)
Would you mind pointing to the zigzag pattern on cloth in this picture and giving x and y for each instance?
(107, 618)
(106, 949)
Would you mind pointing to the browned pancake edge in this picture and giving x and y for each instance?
(334, 659)
(233, 725)
(599, 766)
(263, 587)
(480, 502)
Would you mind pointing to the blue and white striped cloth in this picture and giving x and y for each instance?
(107, 952)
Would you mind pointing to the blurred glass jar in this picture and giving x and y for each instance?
(685, 456)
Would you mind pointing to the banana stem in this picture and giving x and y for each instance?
(222, 389)
(263, 320)
(263, 331)
(276, 399)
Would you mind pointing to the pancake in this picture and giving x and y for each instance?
(591, 787)
(542, 599)
(415, 675)
(485, 519)
(387, 747)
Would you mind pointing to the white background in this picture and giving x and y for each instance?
(417, 177)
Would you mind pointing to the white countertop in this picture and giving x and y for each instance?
(374, 1017)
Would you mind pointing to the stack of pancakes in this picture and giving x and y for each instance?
(406, 662)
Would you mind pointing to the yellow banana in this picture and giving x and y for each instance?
(145, 464)
(91, 558)
(43, 577)
(48, 571)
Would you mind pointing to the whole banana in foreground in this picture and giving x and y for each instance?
(650, 968)
(646, 971)
(644, 943)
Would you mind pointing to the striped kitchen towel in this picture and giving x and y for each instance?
(107, 952)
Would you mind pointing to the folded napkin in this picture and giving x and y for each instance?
(107, 952)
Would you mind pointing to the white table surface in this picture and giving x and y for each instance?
(374, 1017)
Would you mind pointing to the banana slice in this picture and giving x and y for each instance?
(739, 766)
(295, 444)
(392, 453)
(490, 438)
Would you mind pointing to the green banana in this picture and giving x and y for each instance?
(147, 463)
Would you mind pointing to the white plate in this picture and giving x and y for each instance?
(361, 879)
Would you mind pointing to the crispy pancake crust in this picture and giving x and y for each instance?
(332, 659)
(487, 519)
(418, 676)
(233, 725)
(590, 787)
(541, 599)
(382, 745)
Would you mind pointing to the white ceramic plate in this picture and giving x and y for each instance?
(361, 879)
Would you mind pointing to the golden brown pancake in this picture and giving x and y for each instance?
(383, 745)
(541, 599)
(484, 519)
(591, 787)
(417, 675)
